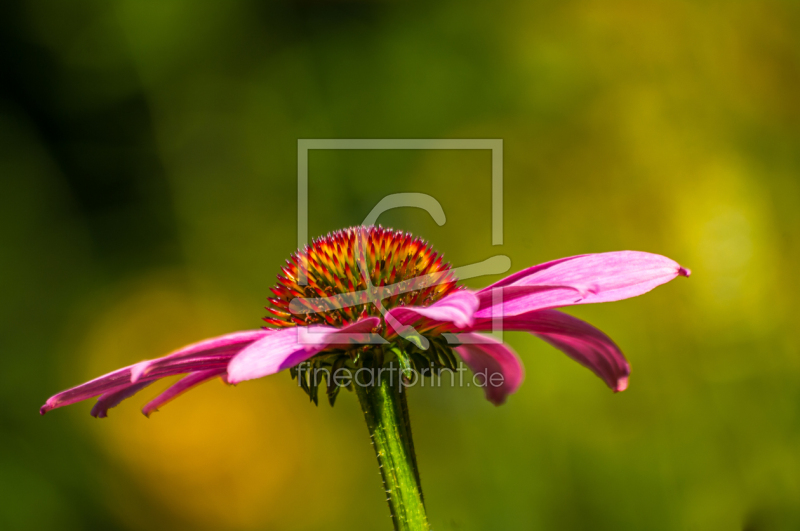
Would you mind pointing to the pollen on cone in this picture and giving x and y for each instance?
(363, 261)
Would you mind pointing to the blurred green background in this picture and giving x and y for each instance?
(148, 155)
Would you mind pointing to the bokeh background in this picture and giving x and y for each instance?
(148, 155)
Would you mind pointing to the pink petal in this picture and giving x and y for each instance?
(491, 358)
(207, 354)
(290, 346)
(113, 398)
(458, 308)
(577, 339)
(110, 382)
(184, 384)
(506, 301)
(218, 349)
(580, 279)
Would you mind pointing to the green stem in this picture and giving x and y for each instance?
(386, 412)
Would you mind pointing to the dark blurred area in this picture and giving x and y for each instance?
(148, 154)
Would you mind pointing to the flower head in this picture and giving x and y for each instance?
(370, 296)
(353, 264)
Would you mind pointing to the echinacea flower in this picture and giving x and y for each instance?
(369, 298)
(332, 315)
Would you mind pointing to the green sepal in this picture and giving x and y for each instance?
(446, 356)
(422, 364)
(313, 385)
(333, 388)
(415, 339)
(406, 365)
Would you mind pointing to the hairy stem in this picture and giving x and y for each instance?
(386, 412)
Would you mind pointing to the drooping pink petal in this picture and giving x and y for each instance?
(290, 346)
(111, 382)
(113, 398)
(184, 384)
(207, 354)
(502, 371)
(457, 308)
(576, 338)
(583, 279)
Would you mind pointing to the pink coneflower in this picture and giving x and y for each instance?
(372, 298)
(408, 284)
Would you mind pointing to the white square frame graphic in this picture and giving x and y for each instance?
(304, 145)
(495, 145)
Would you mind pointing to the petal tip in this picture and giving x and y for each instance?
(235, 378)
(622, 384)
(685, 272)
(498, 401)
(52, 403)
